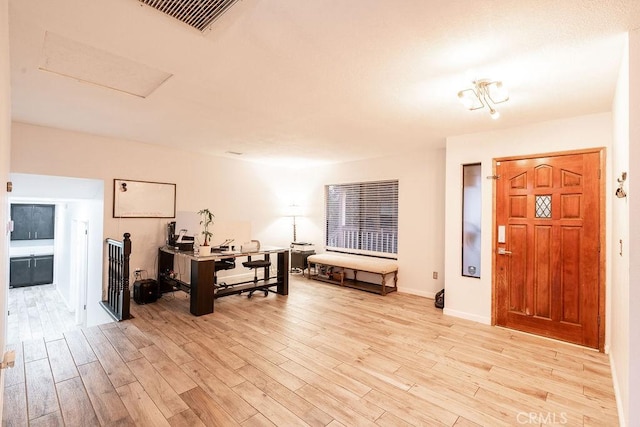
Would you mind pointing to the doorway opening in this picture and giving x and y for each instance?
(49, 309)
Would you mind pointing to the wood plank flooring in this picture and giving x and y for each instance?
(37, 312)
(322, 356)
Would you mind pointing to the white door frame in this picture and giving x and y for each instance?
(79, 269)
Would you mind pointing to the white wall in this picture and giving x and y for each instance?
(468, 297)
(5, 144)
(93, 213)
(62, 266)
(633, 319)
(619, 320)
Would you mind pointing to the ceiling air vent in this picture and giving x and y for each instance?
(199, 14)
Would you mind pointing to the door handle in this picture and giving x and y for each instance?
(503, 251)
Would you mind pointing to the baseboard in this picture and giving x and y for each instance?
(415, 292)
(67, 304)
(468, 316)
(616, 390)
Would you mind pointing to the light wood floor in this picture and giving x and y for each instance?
(323, 356)
(37, 312)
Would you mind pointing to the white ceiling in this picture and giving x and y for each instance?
(322, 80)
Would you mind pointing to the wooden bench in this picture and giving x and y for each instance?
(342, 269)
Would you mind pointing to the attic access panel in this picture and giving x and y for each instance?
(199, 14)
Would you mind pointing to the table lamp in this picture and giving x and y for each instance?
(294, 211)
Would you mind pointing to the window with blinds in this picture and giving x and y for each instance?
(362, 218)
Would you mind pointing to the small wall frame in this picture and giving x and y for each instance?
(143, 199)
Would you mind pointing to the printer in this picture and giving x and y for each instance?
(184, 242)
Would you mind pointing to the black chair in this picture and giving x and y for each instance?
(255, 265)
(223, 264)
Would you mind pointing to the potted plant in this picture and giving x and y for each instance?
(206, 222)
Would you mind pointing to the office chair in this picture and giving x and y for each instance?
(255, 265)
(223, 264)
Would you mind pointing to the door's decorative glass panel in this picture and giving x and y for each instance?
(543, 206)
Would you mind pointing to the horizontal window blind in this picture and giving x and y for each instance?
(362, 217)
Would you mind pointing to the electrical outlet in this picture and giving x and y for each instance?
(435, 275)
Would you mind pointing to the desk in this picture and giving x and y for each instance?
(203, 275)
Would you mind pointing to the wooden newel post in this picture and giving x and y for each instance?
(125, 294)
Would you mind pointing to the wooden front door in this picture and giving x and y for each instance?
(548, 263)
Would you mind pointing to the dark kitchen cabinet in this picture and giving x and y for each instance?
(21, 216)
(31, 270)
(20, 272)
(33, 222)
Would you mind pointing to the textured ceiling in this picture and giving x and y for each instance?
(322, 80)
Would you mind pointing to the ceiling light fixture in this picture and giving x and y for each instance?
(485, 93)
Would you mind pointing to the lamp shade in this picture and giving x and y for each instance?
(470, 99)
(498, 92)
(294, 210)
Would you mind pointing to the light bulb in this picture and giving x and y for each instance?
(495, 115)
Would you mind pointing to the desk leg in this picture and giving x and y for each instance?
(266, 271)
(165, 264)
(283, 273)
(202, 287)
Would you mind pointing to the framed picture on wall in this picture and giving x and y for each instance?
(143, 199)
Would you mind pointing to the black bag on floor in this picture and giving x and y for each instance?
(439, 302)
